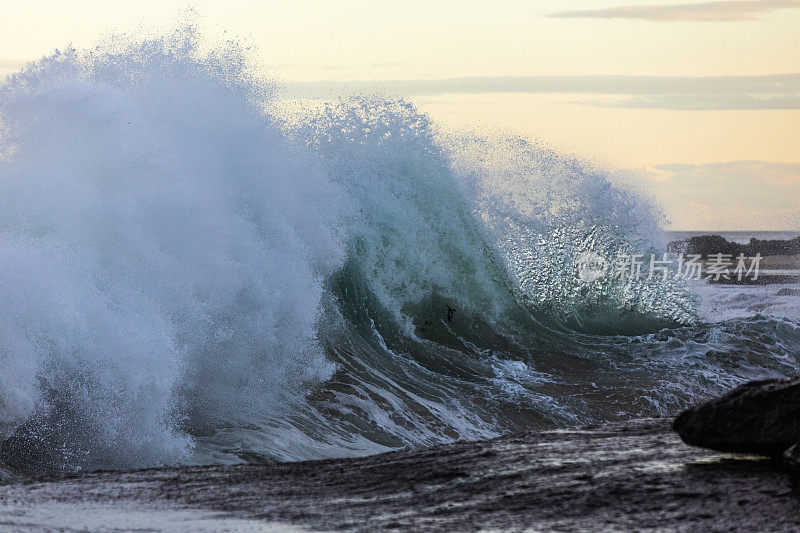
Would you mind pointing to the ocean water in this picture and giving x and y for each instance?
(187, 278)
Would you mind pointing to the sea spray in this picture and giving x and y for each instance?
(544, 211)
(162, 253)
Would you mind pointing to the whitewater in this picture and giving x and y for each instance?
(188, 277)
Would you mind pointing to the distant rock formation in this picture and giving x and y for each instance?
(706, 245)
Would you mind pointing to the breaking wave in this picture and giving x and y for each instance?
(186, 278)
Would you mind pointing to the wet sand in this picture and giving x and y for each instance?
(634, 475)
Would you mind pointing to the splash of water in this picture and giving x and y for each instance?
(162, 252)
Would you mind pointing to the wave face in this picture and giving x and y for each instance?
(186, 279)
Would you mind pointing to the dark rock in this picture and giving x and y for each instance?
(712, 244)
(772, 247)
(761, 417)
(706, 245)
(791, 458)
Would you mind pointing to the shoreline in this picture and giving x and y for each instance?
(635, 474)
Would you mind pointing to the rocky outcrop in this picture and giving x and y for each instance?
(761, 417)
(706, 245)
(772, 247)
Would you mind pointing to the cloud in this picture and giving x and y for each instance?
(780, 91)
(389, 64)
(725, 195)
(745, 174)
(11, 64)
(285, 65)
(699, 11)
(697, 102)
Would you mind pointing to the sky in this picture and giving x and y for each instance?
(696, 102)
